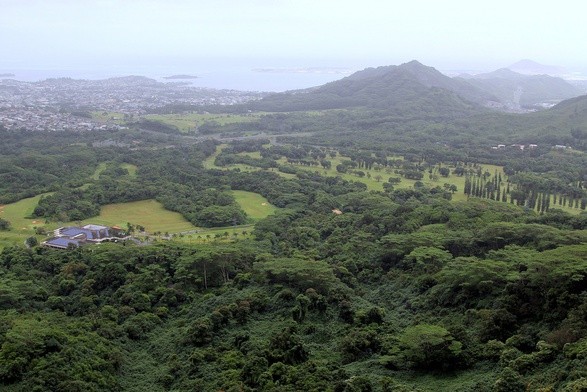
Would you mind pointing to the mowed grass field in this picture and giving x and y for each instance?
(132, 170)
(101, 167)
(115, 117)
(21, 226)
(369, 180)
(147, 213)
(155, 218)
(255, 205)
(208, 163)
(190, 121)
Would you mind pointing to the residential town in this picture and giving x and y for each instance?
(65, 104)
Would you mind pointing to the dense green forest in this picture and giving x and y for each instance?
(377, 272)
(399, 292)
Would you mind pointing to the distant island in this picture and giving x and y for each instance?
(529, 67)
(180, 77)
(7, 75)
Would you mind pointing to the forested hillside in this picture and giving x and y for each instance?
(405, 290)
(414, 84)
(411, 244)
(390, 88)
(519, 91)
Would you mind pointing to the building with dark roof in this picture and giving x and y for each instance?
(65, 237)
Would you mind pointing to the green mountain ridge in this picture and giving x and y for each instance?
(414, 85)
(517, 91)
(389, 87)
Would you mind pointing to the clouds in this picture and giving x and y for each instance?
(368, 31)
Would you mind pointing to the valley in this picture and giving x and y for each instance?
(383, 232)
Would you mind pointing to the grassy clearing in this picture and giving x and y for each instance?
(256, 154)
(371, 176)
(147, 213)
(255, 205)
(101, 167)
(218, 234)
(190, 121)
(132, 169)
(209, 162)
(21, 226)
(113, 117)
(370, 179)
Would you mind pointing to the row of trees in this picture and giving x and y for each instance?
(529, 195)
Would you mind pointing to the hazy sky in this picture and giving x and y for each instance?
(447, 34)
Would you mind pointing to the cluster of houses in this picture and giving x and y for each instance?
(515, 146)
(67, 237)
(528, 147)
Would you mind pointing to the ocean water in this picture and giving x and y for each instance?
(233, 78)
(253, 75)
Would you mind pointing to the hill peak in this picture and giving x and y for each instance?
(530, 67)
(413, 64)
(408, 85)
(502, 73)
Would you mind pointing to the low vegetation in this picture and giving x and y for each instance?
(195, 122)
(332, 261)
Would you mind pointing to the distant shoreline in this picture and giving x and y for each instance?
(179, 77)
(7, 75)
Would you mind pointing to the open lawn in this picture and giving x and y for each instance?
(132, 169)
(21, 226)
(255, 205)
(190, 121)
(255, 154)
(115, 117)
(209, 162)
(152, 215)
(370, 179)
(101, 167)
(147, 213)
(372, 176)
(221, 234)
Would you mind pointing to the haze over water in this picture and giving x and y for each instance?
(223, 41)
